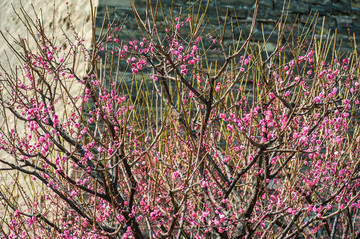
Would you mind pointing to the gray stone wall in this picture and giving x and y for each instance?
(343, 15)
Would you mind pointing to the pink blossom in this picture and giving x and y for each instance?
(271, 95)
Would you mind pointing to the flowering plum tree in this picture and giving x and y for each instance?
(162, 141)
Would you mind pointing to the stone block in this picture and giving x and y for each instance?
(270, 47)
(317, 2)
(340, 9)
(123, 13)
(115, 3)
(264, 13)
(322, 10)
(300, 7)
(356, 17)
(213, 12)
(237, 3)
(102, 10)
(140, 3)
(267, 4)
(294, 17)
(330, 22)
(238, 13)
(343, 20)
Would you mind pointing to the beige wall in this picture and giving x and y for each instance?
(80, 15)
(57, 20)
